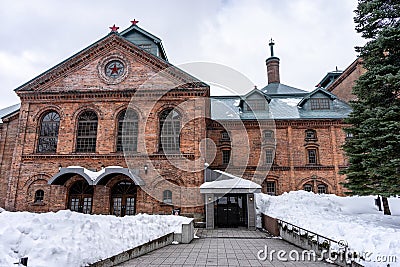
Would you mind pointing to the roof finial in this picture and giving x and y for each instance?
(271, 45)
(134, 21)
(114, 28)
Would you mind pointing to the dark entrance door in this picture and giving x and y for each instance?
(80, 197)
(123, 196)
(231, 211)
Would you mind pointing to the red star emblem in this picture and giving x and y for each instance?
(114, 28)
(134, 21)
(115, 69)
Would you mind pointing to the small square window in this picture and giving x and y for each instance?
(308, 187)
(311, 135)
(225, 136)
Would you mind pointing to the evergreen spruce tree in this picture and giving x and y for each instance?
(374, 149)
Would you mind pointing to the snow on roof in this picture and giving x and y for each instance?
(8, 110)
(233, 182)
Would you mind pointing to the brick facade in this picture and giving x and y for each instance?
(78, 85)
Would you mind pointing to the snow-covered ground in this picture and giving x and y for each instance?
(355, 220)
(68, 238)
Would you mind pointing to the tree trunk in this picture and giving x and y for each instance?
(386, 209)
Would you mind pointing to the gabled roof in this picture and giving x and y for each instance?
(318, 90)
(257, 91)
(329, 78)
(88, 53)
(279, 89)
(5, 112)
(156, 40)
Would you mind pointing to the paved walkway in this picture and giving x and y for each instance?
(222, 247)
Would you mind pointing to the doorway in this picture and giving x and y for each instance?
(231, 211)
(123, 199)
(80, 197)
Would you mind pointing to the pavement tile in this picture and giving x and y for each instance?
(221, 247)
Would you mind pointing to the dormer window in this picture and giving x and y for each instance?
(320, 103)
(256, 104)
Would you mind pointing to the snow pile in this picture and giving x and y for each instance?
(68, 238)
(355, 220)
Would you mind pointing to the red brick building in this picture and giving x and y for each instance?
(117, 129)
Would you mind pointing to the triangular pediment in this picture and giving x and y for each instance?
(318, 92)
(87, 69)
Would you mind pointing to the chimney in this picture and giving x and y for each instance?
(272, 66)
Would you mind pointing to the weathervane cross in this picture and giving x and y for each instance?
(271, 45)
(134, 21)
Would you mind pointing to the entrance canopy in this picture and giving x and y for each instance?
(94, 178)
(224, 183)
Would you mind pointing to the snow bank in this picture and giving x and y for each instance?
(353, 219)
(68, 238)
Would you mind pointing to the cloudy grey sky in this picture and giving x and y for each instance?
(312, 36)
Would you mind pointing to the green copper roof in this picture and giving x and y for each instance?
(279, 89)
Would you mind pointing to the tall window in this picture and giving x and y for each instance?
(48, 134)
(312, 156)
(170, 126)
(167, 197)
(271, 188)
(269, 156)
(226, 157)
(320, 103)
(127, 131)
(87, 132)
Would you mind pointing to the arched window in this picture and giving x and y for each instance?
(127, 131)
(80, 197)
(307, 187)
(87, 132)
(170, 126)
(322, 189)
(39, 195)
(167, 196)
(123, 198)
(48, 134)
